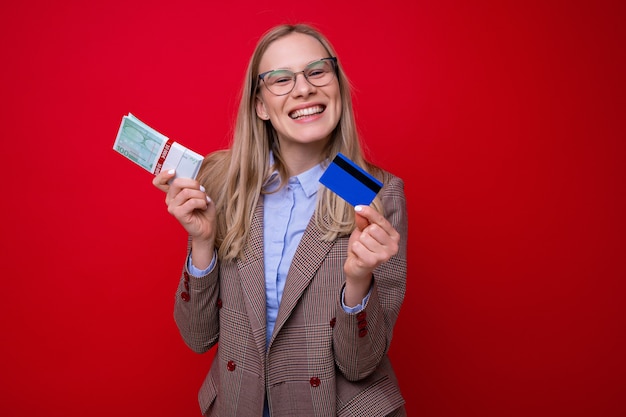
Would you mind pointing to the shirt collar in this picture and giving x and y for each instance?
(310, 180)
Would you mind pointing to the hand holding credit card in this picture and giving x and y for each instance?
(350, 182)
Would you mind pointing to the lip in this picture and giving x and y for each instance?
(306, 105)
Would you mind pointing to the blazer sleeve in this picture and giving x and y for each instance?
(361, 340)
(196, 309)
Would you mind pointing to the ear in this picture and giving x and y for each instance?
(260, 109)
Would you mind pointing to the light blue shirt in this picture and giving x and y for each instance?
(287, 213)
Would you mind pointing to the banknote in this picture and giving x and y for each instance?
(154, 151)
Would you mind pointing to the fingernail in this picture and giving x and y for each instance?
(171, 171)
(202, 189)
(208, 200)
(358, 208)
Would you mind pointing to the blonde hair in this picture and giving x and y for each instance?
(234, 178)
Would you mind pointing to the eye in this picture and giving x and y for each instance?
(317, 72)
(279, 77)
(317, 69)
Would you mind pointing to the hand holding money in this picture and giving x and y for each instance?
(154, 151)
(187, 201)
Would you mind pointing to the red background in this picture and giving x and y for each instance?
(505, 118)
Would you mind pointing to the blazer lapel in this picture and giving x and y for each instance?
(251, 271)
(309, 255)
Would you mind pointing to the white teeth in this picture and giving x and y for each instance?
(306, 112)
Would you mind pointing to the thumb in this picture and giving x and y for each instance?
(361, 222)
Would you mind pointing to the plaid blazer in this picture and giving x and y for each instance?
(321, 361)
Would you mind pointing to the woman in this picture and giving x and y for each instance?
(299, 289)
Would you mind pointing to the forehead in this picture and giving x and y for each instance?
(293, 51)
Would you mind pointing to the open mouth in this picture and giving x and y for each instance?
(309, 111)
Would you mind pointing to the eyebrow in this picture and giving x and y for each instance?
(290, 68)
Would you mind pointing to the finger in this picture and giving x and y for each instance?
(180, 196)
(361, 222)
(161, 180)
(365, 257)
(379, 235)
(380, 249)
(182, 211)
(180, 183)
(373, 216)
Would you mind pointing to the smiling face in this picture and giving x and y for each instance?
(305, 117)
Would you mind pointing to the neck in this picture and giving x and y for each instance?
(299, 159)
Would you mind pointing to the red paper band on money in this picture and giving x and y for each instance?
(164, 152)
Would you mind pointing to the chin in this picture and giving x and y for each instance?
(313, 138)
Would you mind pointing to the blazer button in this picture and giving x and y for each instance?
(315, 381)
(362, 332)
(362, 324)
(361, 316)
(231, 365)
(333, 321)
(185, 296)
(187, 285)
(186, 275)
(219, 303)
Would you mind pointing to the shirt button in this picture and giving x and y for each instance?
(315, 381)
(185, 296)
(231, 365)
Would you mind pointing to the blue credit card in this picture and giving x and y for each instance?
(350, 182)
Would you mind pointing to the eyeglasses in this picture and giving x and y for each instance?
(318, 74)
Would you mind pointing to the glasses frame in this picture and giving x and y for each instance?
(332, 59)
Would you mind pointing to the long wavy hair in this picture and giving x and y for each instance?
(235, 177)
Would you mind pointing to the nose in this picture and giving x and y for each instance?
(302, 86)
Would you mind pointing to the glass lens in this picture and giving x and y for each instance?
(279, 81)
(320, 73)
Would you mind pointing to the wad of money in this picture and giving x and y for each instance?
(154, 151)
